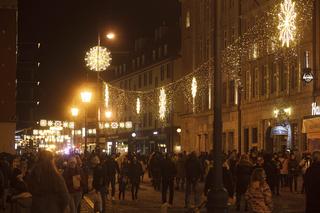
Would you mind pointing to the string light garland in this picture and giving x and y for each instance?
(98, 58)
(162, 104)
(287, 22)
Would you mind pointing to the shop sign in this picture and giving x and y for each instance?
(315, 109)
(307, 77)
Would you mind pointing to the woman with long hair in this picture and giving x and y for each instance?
(259, 195)
(47, 186)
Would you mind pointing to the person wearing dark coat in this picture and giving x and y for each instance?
(227, 180)
(312, 185)
(168, 173)
(111, 168)
(293, 167)
(244, 170)
(270, 169)
(134, 173)
(193, 174)
(47, 186)
(98, 183)
(155, 170)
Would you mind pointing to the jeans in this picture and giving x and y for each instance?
(134, 189)
(293, 182)
(167, 183)
(192, 187)
(103, 195)
(112, 181)
(76, 197)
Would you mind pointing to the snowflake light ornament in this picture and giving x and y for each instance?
(287, 22)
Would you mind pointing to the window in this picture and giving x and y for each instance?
(255, 83)
(150, 78)
(129, 84)
(232, 37)
(247, 85)
(133, 64)
(124, 68)
(159, 52)
(162, 72)
(138, 62)
(283, 76)
(230, 141)
(224, 95)
(231, 92)
(144, 123)
(168, 71)
(294, 75)
(156, 82)
(150, 119)
(165, 50)
(139, 83)
(142, 60)
(254, 135)
(225, 39)
(153, 55)
(145, 79)
(264, 80)
(273, 77)
(188, 21)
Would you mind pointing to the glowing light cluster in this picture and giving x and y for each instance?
(98, 58)
(138, 106)
(162, 104)
(287, 22)
(194, 87)
(106, 95)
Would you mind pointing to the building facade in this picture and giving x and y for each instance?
(154, 62)
(8, 41)
(270, 85)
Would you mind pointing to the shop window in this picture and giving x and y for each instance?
(254, 135)
(231, 92)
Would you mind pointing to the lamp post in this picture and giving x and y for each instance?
(74, 113)
(86, 99)
(217, 196)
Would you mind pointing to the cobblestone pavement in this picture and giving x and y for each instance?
(150, 202)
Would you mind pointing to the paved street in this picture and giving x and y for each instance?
(150, 202)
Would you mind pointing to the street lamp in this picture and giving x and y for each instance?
(110, 36)
(108, 114)
(86, 98)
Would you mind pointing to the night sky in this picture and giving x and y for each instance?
(67, 28)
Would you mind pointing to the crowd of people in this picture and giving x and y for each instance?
(44, 182)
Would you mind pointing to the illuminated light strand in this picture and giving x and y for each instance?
(287, 22)
(98, 58)
(138, 106)
(194, 88)
(106, 95)
(162, 104)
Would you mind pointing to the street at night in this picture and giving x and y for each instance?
(159, 106)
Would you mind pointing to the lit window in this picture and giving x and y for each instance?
(188, 21)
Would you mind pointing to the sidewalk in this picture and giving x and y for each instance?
(149, 201)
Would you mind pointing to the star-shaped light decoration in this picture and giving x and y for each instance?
(98, 58)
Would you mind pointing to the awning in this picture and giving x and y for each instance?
(279, 130)
(311, 125)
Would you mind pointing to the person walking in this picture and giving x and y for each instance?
(244, 171)
(181, 171)
(284, 171)
(258, 194)
(304, 164)
(270, 169)
(135, 171)
(312, 184)
(73, 179)
(98, 184)
(111, 168)
(123, 179)
(168, 173)
(193, 173)
(47, 186)
(293, 167)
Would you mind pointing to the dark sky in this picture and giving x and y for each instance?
(67, 28)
